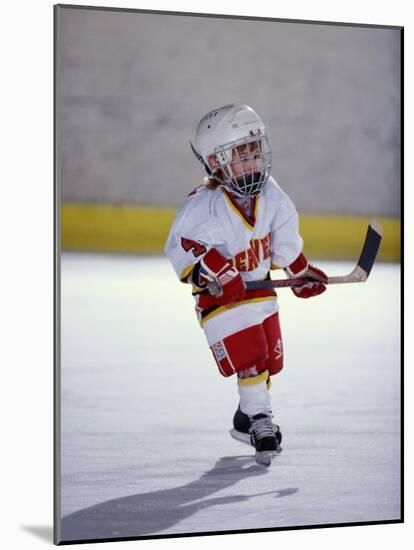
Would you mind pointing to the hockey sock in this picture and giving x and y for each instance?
(253, 392)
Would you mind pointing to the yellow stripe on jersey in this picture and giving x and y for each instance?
(221, 309)
(256, 207)
(253, 380)
(240, 214)
(186, 272)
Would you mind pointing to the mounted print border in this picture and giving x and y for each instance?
(142, 409)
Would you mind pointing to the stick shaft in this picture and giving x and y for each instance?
(277, 283)
(358, 275)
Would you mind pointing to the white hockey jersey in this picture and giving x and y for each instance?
(268, 239)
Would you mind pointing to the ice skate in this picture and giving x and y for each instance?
(243, 431)
(265, 437)
(241, 426)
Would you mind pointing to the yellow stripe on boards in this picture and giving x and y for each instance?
(341, 237)
(115, 228)
(143, 230)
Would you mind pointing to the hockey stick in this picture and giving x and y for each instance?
(359, 274)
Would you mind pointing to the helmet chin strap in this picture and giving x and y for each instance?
(210, 173)
(200, 159)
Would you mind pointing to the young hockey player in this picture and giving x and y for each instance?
(233, 228)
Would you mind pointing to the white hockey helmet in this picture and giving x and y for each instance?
(232, 144)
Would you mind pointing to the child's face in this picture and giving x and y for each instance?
(247, 170)
(246, 159)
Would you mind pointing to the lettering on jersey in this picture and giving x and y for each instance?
(249, 260)
(255, 243)
(196, 247)
(252, 260)
(266, 246)
(240, 261)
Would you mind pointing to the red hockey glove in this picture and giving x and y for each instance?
(221, 278)
(301, 268)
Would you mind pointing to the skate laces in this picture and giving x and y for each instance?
(262, 427)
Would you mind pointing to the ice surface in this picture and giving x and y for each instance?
(145, 414)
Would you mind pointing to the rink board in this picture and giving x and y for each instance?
(144, 229)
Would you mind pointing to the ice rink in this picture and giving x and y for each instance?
(145, 416)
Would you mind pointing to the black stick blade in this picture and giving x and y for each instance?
(371, 247)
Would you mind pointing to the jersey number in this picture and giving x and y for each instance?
(196, 247)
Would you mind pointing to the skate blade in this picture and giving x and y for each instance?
(240, 436)
(245, 438)
(264, 457)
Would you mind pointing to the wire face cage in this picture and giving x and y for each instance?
(244, 165)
